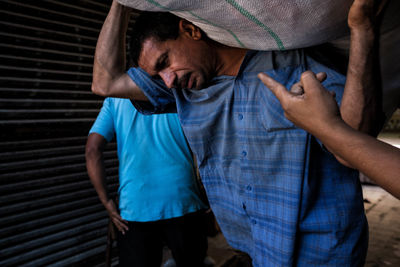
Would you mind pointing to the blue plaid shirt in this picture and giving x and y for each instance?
(276, 193)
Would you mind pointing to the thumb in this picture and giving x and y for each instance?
(277, 88)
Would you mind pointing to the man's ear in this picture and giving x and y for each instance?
(189, 30)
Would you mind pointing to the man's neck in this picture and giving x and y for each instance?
(229, 60)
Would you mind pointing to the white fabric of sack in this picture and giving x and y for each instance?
(259, 24)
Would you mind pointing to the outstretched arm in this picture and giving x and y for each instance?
(361, 102)
(379, 161)
(97, 174)
(109, 77)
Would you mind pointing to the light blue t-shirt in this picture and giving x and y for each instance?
(156, 173)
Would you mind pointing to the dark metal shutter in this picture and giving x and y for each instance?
(50, 213)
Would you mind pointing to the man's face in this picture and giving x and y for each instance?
(181, 63)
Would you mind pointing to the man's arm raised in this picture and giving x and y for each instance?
(109, 76)
(361, 102)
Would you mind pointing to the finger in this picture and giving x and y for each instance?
(321, 76)
(277, 88)
(310, 82)
(124, 225)
(297, 89)
(121, 222)
(118, 217)
(119, 226)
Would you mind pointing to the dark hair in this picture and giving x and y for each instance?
(159, 25)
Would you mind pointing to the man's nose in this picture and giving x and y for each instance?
(168, 78)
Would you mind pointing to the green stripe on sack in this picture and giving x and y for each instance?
(247, 14)
(203, 19)
(157, 4)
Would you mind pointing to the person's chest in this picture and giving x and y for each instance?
(234, 119)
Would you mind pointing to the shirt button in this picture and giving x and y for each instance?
(244, 153)
(244, 206)
(253, 221)
(240, 116)
(249, 187)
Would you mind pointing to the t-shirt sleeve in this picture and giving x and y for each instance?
(104, 124)
(161, 99)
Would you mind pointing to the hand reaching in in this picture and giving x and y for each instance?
(314, 109)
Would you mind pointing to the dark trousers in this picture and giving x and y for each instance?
(142, 245)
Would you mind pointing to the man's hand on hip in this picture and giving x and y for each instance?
(121, 224)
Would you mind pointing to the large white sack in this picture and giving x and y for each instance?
(257, 24)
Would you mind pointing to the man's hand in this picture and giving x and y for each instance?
(314, 110)
(297, 88)
(121, 224)
(363, 14)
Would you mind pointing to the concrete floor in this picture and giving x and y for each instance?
(383, 213)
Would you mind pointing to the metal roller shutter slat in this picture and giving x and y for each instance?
(51, 215)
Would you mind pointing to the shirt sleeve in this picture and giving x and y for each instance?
(104, 124)
(161, 99)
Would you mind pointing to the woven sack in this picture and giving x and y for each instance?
(260, 25)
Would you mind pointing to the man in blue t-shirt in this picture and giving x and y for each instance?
(276, 192)
(158, 194)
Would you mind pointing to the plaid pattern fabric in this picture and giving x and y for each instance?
(276, 192)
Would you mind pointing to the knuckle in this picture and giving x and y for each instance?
(306, 74)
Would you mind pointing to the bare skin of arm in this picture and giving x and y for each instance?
(97, 174)
(361, 102)
(378, 160)
(109, 76)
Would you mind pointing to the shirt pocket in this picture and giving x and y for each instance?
(271, 113)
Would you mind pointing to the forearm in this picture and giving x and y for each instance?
(110, 56)
(97, 176)
(361, 100)
(377, 160)
(97, 173)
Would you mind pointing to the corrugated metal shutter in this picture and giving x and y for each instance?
(50, 213)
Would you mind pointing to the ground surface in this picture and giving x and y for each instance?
(383, 213)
